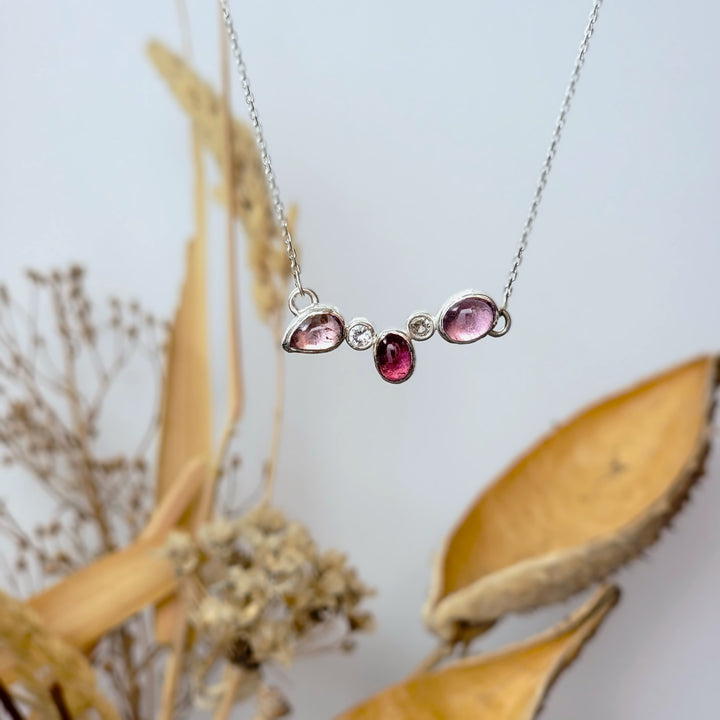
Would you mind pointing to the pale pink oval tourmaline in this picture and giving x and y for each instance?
(319, 332)
(394, 357)
(468, 319)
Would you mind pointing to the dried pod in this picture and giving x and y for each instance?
(578, 505)
(510, 684)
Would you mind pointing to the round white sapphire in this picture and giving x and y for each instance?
(421, 326)
(360, 335)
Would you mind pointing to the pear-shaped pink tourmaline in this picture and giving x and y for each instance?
(468, 319)
(394, 357)
(320, 332)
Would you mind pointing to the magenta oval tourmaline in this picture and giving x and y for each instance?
(468, 319)
(394, 357)
(317, 333)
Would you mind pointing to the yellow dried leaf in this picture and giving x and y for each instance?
(32, 657)
(85, 605)
(102, 595)
(177, 500)
(507, 685)
(186, 430)
(582, 502)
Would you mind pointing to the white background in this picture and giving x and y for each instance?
(411, 135)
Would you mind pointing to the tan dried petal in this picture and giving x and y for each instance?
(217, 537)
(218, 618)
(272, 704)
(249, 613)
(298, 536)
(361, 622)
(287, 561)
(180, 549)
(267, 518)
(331, 559)
(244, 584)
(333, 582)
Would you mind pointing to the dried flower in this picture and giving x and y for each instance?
(59, 361)
(182, 552)
(266, 589)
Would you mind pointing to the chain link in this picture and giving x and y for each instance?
(279, 207)
(277, 203)
(552, 150)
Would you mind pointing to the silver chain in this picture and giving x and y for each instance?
(552, 150)
(279, 207)
(277, 203)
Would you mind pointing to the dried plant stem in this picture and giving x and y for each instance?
(278, 413)
(173, 666)
(234, 371)
(134, 694)
(72, 393)
(98, 508)
(58, 698)
(8, 704)
(174, 663)
(235, 378)
(184, 22)
(232, 678)
(434, 658)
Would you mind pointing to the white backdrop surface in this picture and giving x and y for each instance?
(411, 135)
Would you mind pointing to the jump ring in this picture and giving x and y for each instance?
(297, 292)
(505, 315)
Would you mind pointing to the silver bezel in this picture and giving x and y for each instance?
(310, 310)
(360, 321)
(379, 339)
(456, 298)
(424, 314)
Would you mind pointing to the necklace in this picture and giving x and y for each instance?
(465, 318)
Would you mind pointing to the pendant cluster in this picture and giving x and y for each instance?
(463, 319)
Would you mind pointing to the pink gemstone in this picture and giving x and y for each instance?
(468, 319)
(317, 333)
(394, 357)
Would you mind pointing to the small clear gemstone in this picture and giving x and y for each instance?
(360, 335)
(421, 326)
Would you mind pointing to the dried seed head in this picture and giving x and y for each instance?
(267, 588)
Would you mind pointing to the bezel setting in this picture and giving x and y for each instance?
(457, 298)
(421, 316)
(311, 338)
(304, 314)
(407, 339)
(356, 322)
